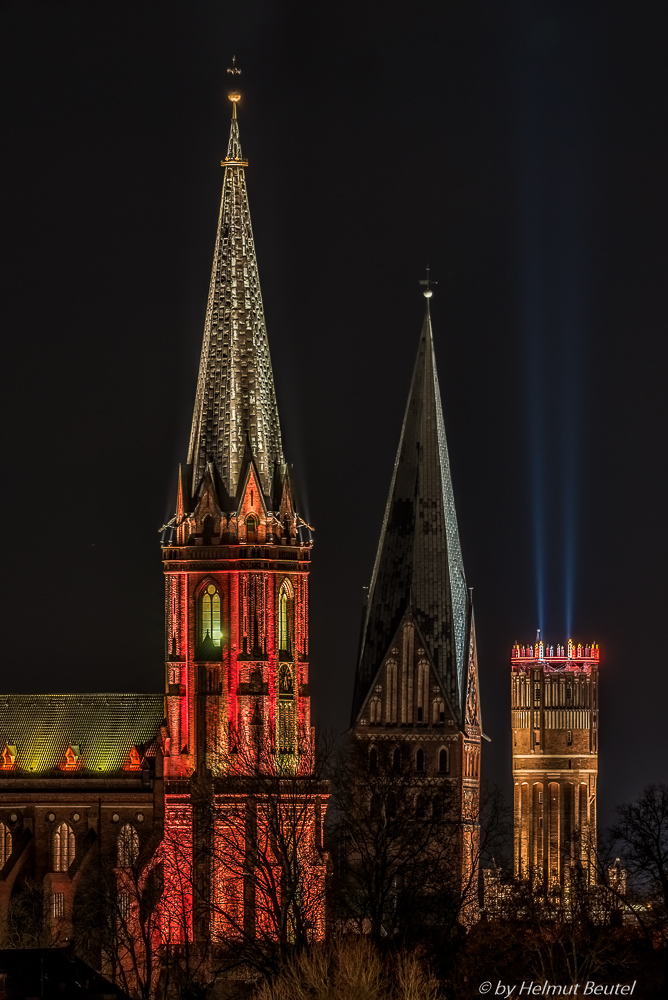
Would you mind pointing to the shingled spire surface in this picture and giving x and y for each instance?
(419, 567)
(236, 400)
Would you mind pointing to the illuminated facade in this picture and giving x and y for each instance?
(416, 687)
(236, 605)
(554, 697)
(211, 781)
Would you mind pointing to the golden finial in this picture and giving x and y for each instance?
(234, 95)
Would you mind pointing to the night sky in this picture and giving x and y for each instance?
(521, 149)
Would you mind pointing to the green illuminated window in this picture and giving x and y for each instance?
(284, 609)
(210, 615)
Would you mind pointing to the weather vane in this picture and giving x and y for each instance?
(427, 282)
(234, 71)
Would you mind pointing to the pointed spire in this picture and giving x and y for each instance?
(419, 567)
(236, 399)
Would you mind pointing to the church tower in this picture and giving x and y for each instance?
(237, 563)
(554, 699)
(416, 687)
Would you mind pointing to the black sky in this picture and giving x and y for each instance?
(519, 148)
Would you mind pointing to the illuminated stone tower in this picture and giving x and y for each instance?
(416, 685)
(237, 564)
(554, 698)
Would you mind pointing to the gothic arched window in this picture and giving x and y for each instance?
(374, 711)
(438, 711)
(422, 690)
(209, 615)
(373, 760)
(207, 530)
(286, 710)
(251, 528)
(63, 847)
(5, 844)
(443, 763)
(127, 846)
(391, 692)
(285, 595)
(419, 760)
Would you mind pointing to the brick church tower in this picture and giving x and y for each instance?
(554, 696)
(416, 685)
(236, 598)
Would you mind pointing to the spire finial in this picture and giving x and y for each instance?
(234, 95)
(427, 282)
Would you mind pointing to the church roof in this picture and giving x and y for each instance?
(235, 403)
(103, 728)
(419, 567)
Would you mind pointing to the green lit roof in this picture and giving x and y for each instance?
(104, 727)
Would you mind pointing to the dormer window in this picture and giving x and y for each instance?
(134, 761)
(8, 756)
(71, 760)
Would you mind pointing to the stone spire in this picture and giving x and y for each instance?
(419, 569)
(235, 407)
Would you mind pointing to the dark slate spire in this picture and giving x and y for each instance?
(419, 568)
(236, 400)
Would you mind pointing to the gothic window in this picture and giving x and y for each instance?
(63, 847)
(374, 711)
(286, 710)
(438, 711)
(5, 844)
(423, 690)
(251, 528)
(58, 905)
(443, 762)
(419, 761)
(127, 846)
(391, 692)
(209, 606)
(396, 760)
(207, 530)
(373, 760)
(285, 595)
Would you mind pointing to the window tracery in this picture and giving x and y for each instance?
(64, 847)
(127, 846)
(210, 620)
(5, 844)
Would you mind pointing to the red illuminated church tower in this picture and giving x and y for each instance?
(236, 576)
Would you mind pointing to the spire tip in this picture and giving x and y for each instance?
(234, 95)
(427, 282)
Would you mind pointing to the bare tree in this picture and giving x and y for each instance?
(399, 844)
(257, 880)
(641, 837)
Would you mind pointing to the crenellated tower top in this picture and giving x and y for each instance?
(573, 656)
